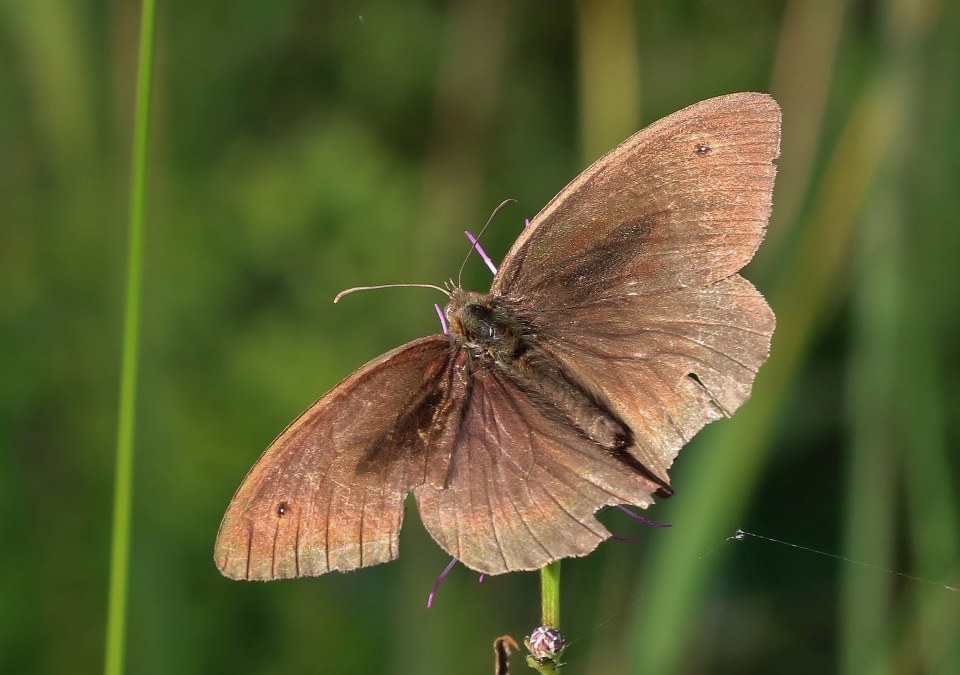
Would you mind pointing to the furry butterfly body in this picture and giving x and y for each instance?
(616, 327)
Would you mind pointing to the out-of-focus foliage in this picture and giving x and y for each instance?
(299, 148)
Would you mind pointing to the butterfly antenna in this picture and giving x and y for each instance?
(373, 288)
(504, 203)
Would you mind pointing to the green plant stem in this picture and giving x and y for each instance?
(123, 485)
(550, 595)
(543, 668)
(550, 612)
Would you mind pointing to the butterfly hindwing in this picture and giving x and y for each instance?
(522, 486)
(667, 363)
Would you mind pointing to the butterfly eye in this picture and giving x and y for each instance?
(480, 313)
(282, 509)
(482, 323)
(702, 149)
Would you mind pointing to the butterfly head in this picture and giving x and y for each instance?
(483, 325)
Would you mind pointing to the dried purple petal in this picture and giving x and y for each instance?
(502, 647)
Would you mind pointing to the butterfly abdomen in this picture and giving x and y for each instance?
(560, 396)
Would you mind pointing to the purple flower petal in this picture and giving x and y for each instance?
(617, 537)
(483, 254)
(443, 319)
(641, 519)
(436, 584)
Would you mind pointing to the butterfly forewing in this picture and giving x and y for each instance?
(328, 492)
(682, 203)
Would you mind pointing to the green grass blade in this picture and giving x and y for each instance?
(929, 642)
(608, 58)
(123, 486)
(866, 599)
(804, 69)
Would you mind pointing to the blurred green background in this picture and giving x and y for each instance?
(298, 148)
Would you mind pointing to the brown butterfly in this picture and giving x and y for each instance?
(615, 329)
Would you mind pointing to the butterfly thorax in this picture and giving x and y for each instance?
(485, 326)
